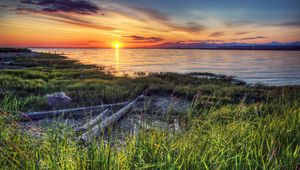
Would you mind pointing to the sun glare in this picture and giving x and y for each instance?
(117, 44)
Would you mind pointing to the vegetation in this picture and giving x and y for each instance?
(14, 50)
(229, 125)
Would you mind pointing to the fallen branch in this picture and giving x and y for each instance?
(93, 122)
(66, 112)
(98, 129)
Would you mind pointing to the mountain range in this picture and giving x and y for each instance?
(232, 45)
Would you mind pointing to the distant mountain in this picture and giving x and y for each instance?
(273, 43)
(295, 43)
(232, 45)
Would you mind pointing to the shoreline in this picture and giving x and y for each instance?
(130, 70)
(298, 49)
(111, 70)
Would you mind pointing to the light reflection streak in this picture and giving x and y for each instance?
(117, 60)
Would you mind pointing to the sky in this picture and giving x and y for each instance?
(138, 23)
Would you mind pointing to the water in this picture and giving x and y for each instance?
(267, 67)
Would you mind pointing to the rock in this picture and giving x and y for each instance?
(58, 99)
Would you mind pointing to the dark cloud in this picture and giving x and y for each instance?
(61, 18)
(250, 38)
(201, 41)
(242, 33)
(217, 34)
(75, 6)
(22, 10)
(295, 23)
(141, 39)
(93, 41)
(3, 6)
(79, 22)
(193, 27)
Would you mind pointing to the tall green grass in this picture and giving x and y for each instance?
(232, 136)
(11, 103)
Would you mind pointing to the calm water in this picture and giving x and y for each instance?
(268, 67)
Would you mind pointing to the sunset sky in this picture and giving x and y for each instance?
(137, 23)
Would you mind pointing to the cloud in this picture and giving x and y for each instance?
(249, 38)
(60, 17)
(192, 44)
(94, 41)
(239, 23)
(152, 13)
(201, 41)
(158, 17)
(242, 33)
(22, 10)
(79, 22)
(217, 34)
(292, 22)
(75, 6)
(295, 23)
(141, 39)
(193, 27)
(190, 27)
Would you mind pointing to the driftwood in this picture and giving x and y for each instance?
(66, 112)
(93, 122)
(98, 129)
(176, 126)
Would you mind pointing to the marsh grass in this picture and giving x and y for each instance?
(227, 126)
(235, 136)
(89, 85)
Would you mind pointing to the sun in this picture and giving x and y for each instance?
(117, 44)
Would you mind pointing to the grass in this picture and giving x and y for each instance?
(228, 126)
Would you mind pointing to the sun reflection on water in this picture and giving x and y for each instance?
(117, 60)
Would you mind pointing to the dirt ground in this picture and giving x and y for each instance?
(151, 112)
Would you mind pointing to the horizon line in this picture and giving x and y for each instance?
(219, 48)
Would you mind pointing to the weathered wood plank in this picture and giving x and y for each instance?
(94, 121)
(98, 129)
(67, 112)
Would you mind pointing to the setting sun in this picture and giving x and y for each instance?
(117, 44)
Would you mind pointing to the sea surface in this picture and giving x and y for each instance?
(265, 67)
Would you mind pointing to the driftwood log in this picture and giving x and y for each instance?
(68, 112)
(100, 128)
(94, 121)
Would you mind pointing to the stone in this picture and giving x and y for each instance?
(58, 99)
